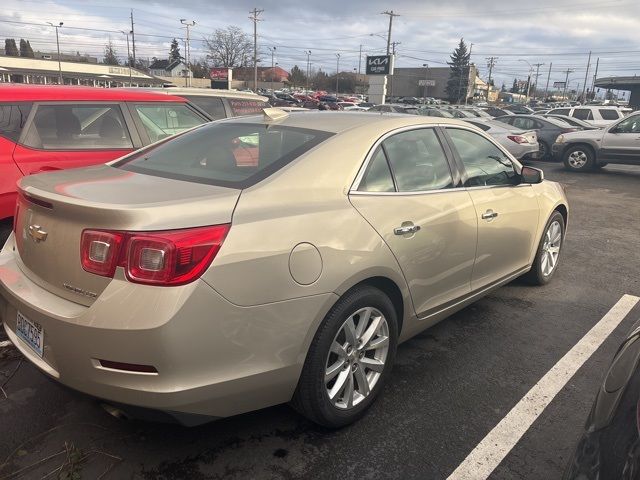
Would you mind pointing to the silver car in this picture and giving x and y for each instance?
(520, 143)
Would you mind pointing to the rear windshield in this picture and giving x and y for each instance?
(235, 155)
(240, 107)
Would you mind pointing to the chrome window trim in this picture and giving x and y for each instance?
(363, 168)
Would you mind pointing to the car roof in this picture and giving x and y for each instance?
(206, 92)
(34, 93)
(337, 122)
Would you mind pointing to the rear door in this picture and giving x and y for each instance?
(61, 135)
(410, 196)
(507, 211)
(621, 143)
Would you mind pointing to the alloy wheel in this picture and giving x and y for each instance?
(578, 159)
(551, 248)
(356, 358)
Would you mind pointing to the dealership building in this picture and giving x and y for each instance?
(45, 72)
(427, 82)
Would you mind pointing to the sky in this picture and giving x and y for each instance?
(519, 33)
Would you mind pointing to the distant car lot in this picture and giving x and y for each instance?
(452, 384)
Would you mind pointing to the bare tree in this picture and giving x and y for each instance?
(229, 47)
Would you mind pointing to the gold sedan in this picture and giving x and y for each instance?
(269, 259)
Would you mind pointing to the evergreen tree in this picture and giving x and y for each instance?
(174, 51)
(458, 82)
(297, 76)
(515, 88)
(110, 55)
(503, 88)
(25, 49)
(10, 48)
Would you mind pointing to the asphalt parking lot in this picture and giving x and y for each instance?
(451, 384)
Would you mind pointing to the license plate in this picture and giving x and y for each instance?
(31, 333)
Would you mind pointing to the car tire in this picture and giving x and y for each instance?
(544, 152)
(579, 159)
(548, 252)
(336, 348)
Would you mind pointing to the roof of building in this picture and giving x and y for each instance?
(108, 72)
(23, 93)
(165, 65)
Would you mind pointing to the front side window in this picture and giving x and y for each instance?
(485, 163)
(609, 114)
(629, 125)
(235, 155)
(12, 119)
(78, 127)
(417, 161)
(161, 120)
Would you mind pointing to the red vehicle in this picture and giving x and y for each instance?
(45, 128)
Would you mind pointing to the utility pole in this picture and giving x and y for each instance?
(593, 85)
(360, 59)
(586, 75)
(546, 89)
(308, 53)
(538, 65)
(254, 17)
(273, 66)
(133, 40)
(337, 71)
(186, 24)
(60, 81)
(426, 79)
(491, 62)
(128, 55)
(391, 15)
(566, 79)
(466, 93)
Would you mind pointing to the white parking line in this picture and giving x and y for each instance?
(498, 443)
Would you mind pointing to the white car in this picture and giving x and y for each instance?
(354, 107)
(596, 115)
(520, 143)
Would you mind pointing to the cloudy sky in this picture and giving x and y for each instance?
(519, 33)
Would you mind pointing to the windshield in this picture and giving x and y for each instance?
(234, 155)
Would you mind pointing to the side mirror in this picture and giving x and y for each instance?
(531, 175)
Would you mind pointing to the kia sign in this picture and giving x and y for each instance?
(379, 65)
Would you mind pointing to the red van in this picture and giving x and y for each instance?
(46, 128)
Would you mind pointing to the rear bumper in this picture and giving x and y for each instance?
(213, 358)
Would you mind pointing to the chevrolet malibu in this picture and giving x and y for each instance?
(268, 259)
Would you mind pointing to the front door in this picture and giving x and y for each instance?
(409, 196)
(621, 143)
(507, 211)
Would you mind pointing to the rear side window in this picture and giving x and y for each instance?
(582, 114)
(235, 155)
(240, 107)
(78, 127)
(378, 177)
(211, 105)
(607, 114)
(12, 119)
(161, 120)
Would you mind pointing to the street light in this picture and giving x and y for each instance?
(273, 51)
(530, 72)
(426, 79)
(60, 81)
(126, 34)
(188, 24)
(337, 71)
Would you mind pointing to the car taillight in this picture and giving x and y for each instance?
(173, 257)
(517, 138)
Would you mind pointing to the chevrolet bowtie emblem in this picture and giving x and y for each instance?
(37, 233)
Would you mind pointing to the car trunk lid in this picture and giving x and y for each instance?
(54, 208)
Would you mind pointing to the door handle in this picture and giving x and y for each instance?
(489, 215)
(404, 229)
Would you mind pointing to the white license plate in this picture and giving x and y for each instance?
(31, 333)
